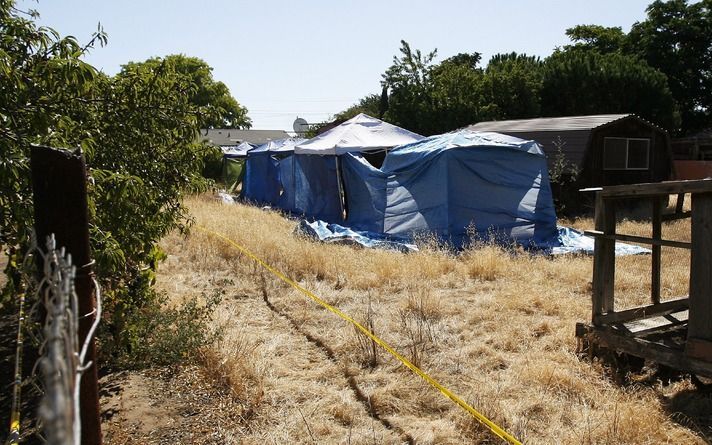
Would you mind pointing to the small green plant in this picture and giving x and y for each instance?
(561, 174)
(158, 334)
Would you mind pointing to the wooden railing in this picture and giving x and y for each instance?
(699, 302)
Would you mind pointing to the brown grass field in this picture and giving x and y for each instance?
(494, 326)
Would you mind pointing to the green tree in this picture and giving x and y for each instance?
(676, 38)
(457, 92)
(512, 86)
(137, 130)
(433, 98)
(595, 37)
(44, 89)
(218, 109)
(408, 80)
(370, 105)
(587, 82)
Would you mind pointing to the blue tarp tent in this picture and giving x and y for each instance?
(316, 177)
(454, 185)
(262, 183)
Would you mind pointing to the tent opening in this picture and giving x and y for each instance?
(375, 158)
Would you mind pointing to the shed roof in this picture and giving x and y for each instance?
(572, 131)
(231, 136)
(549, 123)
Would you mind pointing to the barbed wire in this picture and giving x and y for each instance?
(62, 359)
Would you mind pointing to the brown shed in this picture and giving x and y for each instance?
(608, 149)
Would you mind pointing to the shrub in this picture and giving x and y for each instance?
(158, 334)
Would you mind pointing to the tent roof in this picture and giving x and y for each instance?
(360, 133)
(236, 151)
(406, 155)
(279, 146)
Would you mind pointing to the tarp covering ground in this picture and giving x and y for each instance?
(569, 241)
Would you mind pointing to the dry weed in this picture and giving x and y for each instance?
(494, 326)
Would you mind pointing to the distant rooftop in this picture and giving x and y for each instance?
(230, 136)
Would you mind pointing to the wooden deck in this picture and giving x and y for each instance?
(661, 339)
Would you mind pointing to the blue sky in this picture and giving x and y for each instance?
(283, 59)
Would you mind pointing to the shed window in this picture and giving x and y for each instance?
(626, 153)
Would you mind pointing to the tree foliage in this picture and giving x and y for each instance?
(596, 37)
(408, 81)
(138, 134)
(676, 38)
(512, 86)
(218, 109)
(661, 70)
(431, 98)
(370, 104)
(587, 82)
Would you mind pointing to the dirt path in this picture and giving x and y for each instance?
(166, 406)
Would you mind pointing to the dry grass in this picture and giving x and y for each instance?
(495, 327)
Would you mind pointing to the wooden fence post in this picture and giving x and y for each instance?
(699, 332)
(604, 259)
(60, 207)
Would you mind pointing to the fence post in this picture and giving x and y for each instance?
(60, 207)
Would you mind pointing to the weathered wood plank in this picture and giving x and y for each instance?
(680, 204)
(699, 349)
(700, 326)
(656, 188)
(604, 260)
(638, 239)
(654, 310)
(675, 216)
(655, 260)
(659, 353)
(661, 324)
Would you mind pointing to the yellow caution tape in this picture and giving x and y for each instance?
(446, 392)
(14, 437)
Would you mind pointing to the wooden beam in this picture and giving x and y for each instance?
(700, 349)
(654, 310)
(700, 325)
(655, 260)
(657, 188)
(680, 203)
(604, 259)
(677, 215)
(638, 239)
(659, 353)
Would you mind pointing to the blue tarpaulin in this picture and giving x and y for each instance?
(455, 185)
(569, 241)
(316, 187)
(574, 241)
(286, 181)
(334, 233)
(262, 182)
